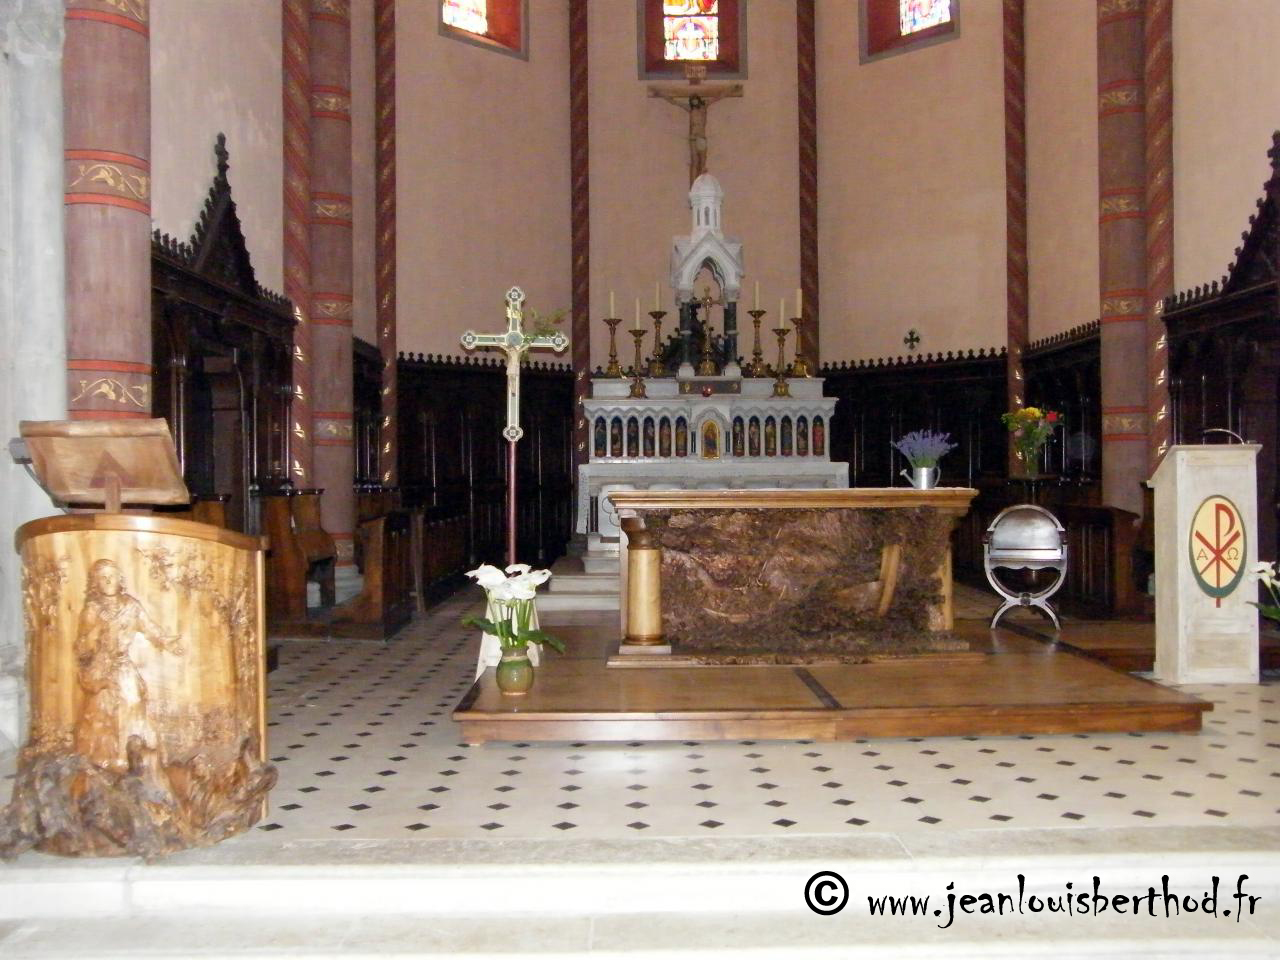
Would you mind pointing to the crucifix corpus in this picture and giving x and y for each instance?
(695, 98)
(515, 343)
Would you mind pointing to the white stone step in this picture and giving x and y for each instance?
(600, 565)
(579, 601)
(583, 583)
(656, 898)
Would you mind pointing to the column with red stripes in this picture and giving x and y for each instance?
(1122, 236)
(106, 83)
(331, 269)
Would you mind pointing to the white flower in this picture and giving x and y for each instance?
(519, 568)
(487, 575)
(1266, 573)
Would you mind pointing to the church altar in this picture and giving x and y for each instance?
(857, 572)
(694, 416)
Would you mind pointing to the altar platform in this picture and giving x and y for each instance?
(1011, 680)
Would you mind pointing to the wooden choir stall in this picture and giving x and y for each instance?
(145, 656)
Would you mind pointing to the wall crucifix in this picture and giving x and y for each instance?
(515, 343)
(695, 98)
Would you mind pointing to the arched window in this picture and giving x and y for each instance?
(497, 24)
(894, 26)
(676, 32)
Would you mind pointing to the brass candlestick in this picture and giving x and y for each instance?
(706, 366)
(780, 386)
(656, 366)
(757, 367)
(799, 366)
(613, 369)
(637, 381)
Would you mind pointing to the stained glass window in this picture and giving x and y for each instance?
(469, 15)
(917, 15)
(691, 29)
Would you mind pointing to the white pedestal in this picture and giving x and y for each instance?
(1206, 531)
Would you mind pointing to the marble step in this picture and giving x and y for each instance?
(600, 565)
(583, 583)
(667, 898)
(579, 601)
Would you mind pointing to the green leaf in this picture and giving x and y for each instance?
(1267, 610)
(539, 636)
(488, 626)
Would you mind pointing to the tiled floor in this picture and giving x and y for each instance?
(365, 748)
(362, 737)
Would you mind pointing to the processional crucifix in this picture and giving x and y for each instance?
(515, 343)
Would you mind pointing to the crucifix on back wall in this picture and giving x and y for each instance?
(695, 98)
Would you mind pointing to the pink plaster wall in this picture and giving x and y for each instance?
(362, 171)
(482, 158)
(1062, 165)
(1226, 104)
(215, 67)
(640, 170)
(911, 189)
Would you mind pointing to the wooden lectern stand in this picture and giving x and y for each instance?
(1206, 536)
(145, 660)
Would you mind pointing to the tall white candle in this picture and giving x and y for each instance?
(611, 310)
(757, 306)
(637, 323)
(782, 309)
(657, 296)
(799, 301)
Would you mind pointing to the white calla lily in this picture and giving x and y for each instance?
(487, 575)
(519, 568)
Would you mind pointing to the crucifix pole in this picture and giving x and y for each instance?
(515, 343)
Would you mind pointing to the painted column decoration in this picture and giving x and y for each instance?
(384, 38)
(297, 215)
(1015, 193)
(106, 78)
(580, 224)
(1122, 251)
(807, 110)
(1158, 79)
(332, 270)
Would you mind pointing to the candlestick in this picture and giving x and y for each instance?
(637, 382)
(757, 367)
(613, 369)
(707, 365)
(780, 386)
(799, 366)
(656, 366)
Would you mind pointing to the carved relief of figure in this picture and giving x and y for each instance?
(819, 438)
(739, 448)
(802, 437)
(648, 437)
(710, 441)
(786, 436)
(753, 437)
(600, 439)
(615, 437)
(682, 437)
(664, 438)
(115, 704)
(633, 437)
(770, 437)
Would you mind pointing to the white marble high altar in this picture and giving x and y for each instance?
(701, 433)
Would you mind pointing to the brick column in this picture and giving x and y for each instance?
(384, 38)
(807, 112)
(1122, 234)
(297, 216)
(331, 269)
(106, 81)
(580, 225)
(1015, 194)
(1158, 80)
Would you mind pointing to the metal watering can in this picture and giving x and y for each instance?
(923, 478)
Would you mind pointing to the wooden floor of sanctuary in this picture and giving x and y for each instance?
(1017, 678)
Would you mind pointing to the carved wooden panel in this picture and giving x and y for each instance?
(146, 674)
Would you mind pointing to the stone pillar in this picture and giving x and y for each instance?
(106, 78)
(580, 224)
(331, 270)
(296, 70)
(807, 112)
(1015, 194)
(33, 362)
(384, 39)
(1122, 234)
(1158, 80)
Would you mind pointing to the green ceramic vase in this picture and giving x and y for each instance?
(515, 672)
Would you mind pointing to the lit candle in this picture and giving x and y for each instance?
(611, 303)
(799, 309)
(757, 306)
(637, 323)
(657, 296)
